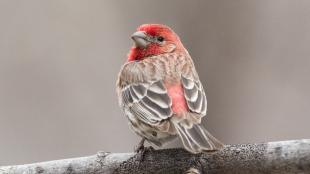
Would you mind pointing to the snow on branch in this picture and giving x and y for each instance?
(273, 157)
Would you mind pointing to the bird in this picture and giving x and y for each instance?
(160, 93)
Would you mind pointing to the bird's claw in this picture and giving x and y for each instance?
(140, 147)
(141, 150)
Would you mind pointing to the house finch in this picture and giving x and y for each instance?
(160, 92)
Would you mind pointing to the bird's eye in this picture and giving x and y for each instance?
(160, 39)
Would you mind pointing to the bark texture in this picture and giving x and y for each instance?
(275, 157)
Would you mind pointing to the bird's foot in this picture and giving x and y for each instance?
(141, 150)
(140, 147)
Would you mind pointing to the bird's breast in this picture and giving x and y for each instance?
(169, 67)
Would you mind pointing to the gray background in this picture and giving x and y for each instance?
(59, 61)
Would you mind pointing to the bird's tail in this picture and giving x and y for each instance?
(196, 138)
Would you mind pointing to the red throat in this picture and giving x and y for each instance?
(139, 54)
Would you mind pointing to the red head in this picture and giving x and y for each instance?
(154, 39)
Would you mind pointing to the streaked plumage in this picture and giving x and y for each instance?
(163, 98)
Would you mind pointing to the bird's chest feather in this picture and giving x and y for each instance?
(170, 68)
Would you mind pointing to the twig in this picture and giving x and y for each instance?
(274, 157)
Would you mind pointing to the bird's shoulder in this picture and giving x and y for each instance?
(156, 68)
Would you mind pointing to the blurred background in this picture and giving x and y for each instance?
(59, 61)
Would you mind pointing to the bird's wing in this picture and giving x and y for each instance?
(143, 95)
(193, 89)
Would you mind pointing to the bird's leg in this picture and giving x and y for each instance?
(140, 147)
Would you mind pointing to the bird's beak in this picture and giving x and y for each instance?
(140, 39)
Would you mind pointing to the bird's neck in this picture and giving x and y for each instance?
(136, 54)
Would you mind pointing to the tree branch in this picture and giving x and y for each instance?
(274, 157)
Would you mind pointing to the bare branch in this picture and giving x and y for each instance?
(274, 157)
